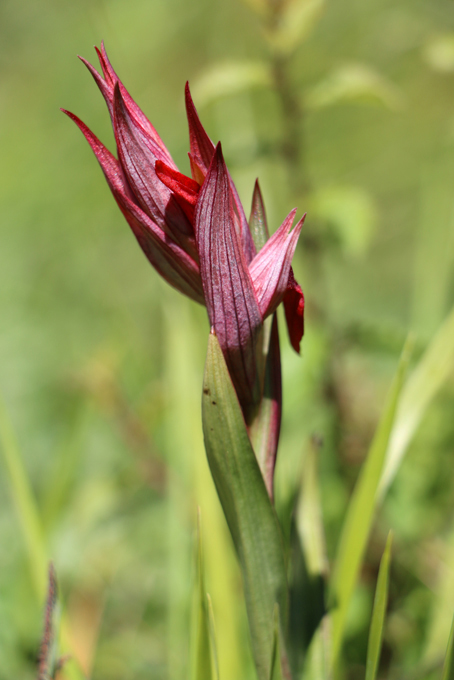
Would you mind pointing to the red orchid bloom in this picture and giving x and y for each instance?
(194, 230)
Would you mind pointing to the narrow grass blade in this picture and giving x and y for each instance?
(203, 656)
(448, 668)
(420, 389)
(378, 614)
(214, 646)
(25, 503)
(360, 513)
(31, 526)
(251, 518)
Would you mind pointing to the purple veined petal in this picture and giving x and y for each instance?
(134, 110)
(246, 236)
(173, 263)
(270, 268)
(229, 294)
(151, 139)
(105, 87)
(138, 163)
(109, 164)
(201, 153)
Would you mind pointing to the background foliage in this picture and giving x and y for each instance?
(101, 364)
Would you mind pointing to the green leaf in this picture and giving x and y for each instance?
(378, 614)
(230, 78)
(448, 667)
(204, 655)
(353, 82)
(360, 513)
(296, 21)
(425, 381)
(251, 518)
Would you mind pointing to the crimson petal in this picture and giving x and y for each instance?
(135, 111)
(202, 148)
(294, 311)
(184, 188)
(173, 263)
(151, 138)
(138, 163)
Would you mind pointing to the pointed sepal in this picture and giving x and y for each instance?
(138, 157)
(270, 268)
(232, 306)
(201, 146)
(258, 225)
(178, 268)
(107, 85)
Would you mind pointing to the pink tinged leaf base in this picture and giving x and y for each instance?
(265, 429)
(232, 306)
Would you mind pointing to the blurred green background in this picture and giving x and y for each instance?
(101, 363)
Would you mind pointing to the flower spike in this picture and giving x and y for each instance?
(195, 233)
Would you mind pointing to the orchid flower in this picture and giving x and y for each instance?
(194, 230)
